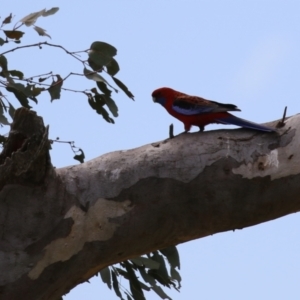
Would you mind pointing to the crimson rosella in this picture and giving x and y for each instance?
(197, 111)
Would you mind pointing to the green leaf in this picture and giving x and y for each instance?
(97, 104)
(16, 73)
(116, 285)
(144, 286)
(42, 79)
(147, 278)
(19, 91)
(122, 273)
(3, 62)
(7, 20)
(172, 256)
(31, 18)
(2, 42)
(100, 54)
(103, 88)
(161, 274)
(106, 116)
(112, 67)
(134, 284)
(92, 102)
(36, 91)
(55, 88)
(159, 291)
(3, 139)
(104, 48)
(105, 276)
(11, 110)
(95, 66)
(110, 104)
(123, 87)
(13, 34)
(128, 296)
(80, 157)
(41, 31)
(3, 119)
(176, 276)
(93, 75)
(50, 12)
(2, 106)
(145, 261)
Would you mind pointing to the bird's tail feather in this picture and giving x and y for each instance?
(233, 120)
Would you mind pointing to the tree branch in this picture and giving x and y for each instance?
(83, 218)
(47, 44)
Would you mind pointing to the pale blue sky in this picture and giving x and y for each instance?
(240, 52)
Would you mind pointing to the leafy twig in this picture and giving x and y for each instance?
(47, 44)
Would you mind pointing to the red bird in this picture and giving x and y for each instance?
(197, 111)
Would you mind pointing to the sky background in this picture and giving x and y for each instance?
(240, 52)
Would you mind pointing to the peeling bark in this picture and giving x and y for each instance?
(59, 227)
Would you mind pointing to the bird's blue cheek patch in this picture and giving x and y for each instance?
(160, 100)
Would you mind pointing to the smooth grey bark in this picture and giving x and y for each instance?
(59, 227)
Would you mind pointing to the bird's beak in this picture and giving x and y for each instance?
(154, 99)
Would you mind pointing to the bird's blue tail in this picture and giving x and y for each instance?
(233, 120)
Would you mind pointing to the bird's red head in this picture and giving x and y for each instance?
(162, 94)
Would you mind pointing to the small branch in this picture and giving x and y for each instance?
(71, 143)
(171, 131)
(47, 44)
(49, 85)
(281, 123)
(50, 73)
(17, 27)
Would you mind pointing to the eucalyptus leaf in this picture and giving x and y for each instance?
(13, 34)
(7, 20)
(172, 256)
(11, 110)
(103, 88)
(106, 276)
(147, 262)
(116, 285)
(41, 31)
(55, 88)
(32, 17)
(16, 73)
(111, 105)
(50, 11)
(134, 284)
(123, 87)
(112, 67)
(159, 291)
(93, 75)
(3, 62)
(3, 119)
(80, 157)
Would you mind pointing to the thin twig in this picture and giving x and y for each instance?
(71, 143)
(171, 131)
(50, 73)
(49, 85)
(47, 44)
(281, 123)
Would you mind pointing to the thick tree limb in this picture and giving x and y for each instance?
(60, 227)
